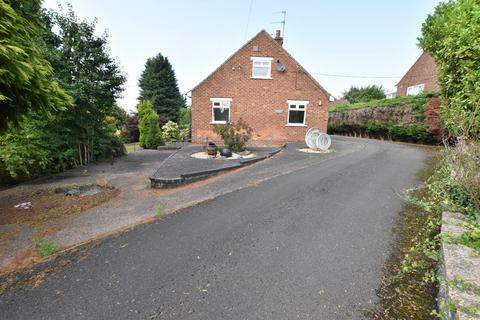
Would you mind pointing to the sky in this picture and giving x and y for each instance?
(359, 42)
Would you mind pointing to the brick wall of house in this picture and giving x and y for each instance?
(261, 103)
(432, 119)
(424, 70)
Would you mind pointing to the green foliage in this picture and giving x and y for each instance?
(52, 140)
(234, 135)
(45, 247)
(450, 35)
(415, 133)
(171, 132)
(148, 125)
(160, 210)
(159, 85)
(365, 94)
(185, 119)
(416, 102)
(85, 69)
(185, 123)
(26, 81)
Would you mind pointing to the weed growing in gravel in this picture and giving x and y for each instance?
(160, 210)
(45, 247)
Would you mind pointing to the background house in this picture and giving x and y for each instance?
(263, 85)
(421, 77)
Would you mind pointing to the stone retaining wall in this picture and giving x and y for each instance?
(459, 272)
(394, 114)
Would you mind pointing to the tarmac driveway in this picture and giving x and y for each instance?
(306, 243)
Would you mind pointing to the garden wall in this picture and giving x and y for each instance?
(409, 119)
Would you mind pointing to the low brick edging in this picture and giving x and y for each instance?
(458, 263)
(172, 182)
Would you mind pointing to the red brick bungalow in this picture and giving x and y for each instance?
(266, 87)
(421, 77)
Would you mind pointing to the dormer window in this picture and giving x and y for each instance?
(261, 68)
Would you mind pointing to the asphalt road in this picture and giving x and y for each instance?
(310, 244)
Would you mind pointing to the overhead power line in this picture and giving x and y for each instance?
(354, 76)
(248, 18)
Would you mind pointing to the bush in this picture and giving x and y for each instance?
(465, 160)
(171, 132)
(416, 102)
(130, 131)
(148, 125)
(450, 35)
(416, 133)
(234, 135)
(185, 123)
(364, 94)
(185, 118)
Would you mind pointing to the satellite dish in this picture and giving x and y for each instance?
(311, 137)
(316, 140)
(280, 67)
(323, 141)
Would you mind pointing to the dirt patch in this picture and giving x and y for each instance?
(36, 275)
(49, 204)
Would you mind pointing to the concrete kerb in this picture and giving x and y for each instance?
(164, 182)
(457, 262)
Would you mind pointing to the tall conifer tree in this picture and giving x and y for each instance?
(159, 85)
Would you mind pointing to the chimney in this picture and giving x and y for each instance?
(278, 37)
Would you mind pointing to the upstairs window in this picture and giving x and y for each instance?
(261, 68)
(414, 90)
(220, 110)
(297, 113)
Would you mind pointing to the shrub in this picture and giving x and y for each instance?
(170, 132)
(465, 160)
(450, 35)
(416, 102)
(364, 94)
(234, 135)
(185, 118)
(413, 132)
(185, 123)
(150, 134)
(130, 131)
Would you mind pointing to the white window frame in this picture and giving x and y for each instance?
(262, 60)
(416, 89)
(220, 100)
(295, 106)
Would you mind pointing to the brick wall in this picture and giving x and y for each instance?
(424, 70)
(432, 116)
(262, 103)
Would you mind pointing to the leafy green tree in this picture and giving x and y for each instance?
(185, 123)
(185, 119)
(26, 81)
(54, 139)
(148, 125)
(365, 94)
(451, 36)
(159, 85)
(84, 67)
